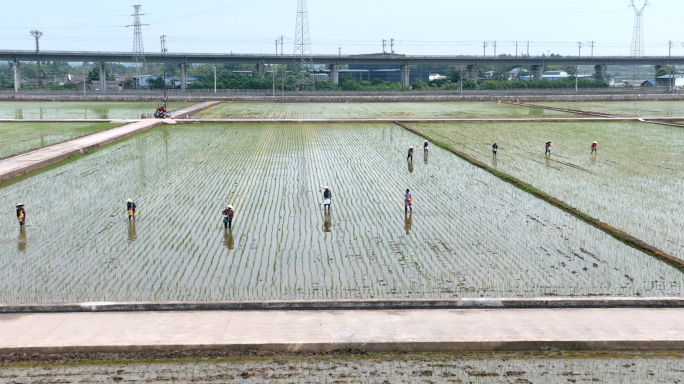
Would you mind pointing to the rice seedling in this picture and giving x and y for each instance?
(373, 111)
(78, 110)
(632, 183)
(625, 108)
(470, 235)
(20, 137)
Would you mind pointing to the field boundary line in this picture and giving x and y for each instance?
(575, 111)
(607, 228)
(350, 304)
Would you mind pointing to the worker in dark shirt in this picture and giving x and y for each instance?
(410, 154)
(21, 215)
(426, 147)
(495, 149)
(327, 199)
(228, 217)
(130, 209)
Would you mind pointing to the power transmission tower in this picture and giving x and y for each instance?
(638, 35)
(163, 44)
(37, 34)
(138, 47)
(304, 77)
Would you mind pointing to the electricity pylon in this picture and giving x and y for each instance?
(638, 35)
(138, 47)
(303, 71)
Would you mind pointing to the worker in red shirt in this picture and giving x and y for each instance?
(228, 217)
(594, 145)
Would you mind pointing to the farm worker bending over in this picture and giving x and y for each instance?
(327, 199)
(228, 217)
(21, 215)
(594, 145)
(548, 148)
(495, 148)
(130, 208)
(408, 202)
(410, 154)
(426, 147)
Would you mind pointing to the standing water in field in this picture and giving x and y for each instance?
(471, 236)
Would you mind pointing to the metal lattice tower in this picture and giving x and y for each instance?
(37, 35)
(138, 47)
(304, 67)
(638, 36)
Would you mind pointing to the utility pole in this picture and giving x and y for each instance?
(484, 49)
(384, 43)
(528, 48)
(669, 56)
(494, 45)
(516, 49)
(214, 78)
(580, 45)
(276, 42)
(282, 44)
(85, 77)
(37, 34)
(392, 45)
(592, 48)
(162, 39)
(339, 50)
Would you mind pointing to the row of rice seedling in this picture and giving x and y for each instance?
(78, 110)
(370, 368)
(632, 183)
(374, 111)
(469, 235)
(625, 108)
(20, 137)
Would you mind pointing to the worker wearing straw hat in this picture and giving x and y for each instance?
(548, 148)
(408, 202)
(228, 217)
(327, 199)
(594, 145)
(410, 154)
(21, 215)
(130, 209)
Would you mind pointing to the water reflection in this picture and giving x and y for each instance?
(408, 222)
(132, 234)
(547, 161)
(327, 223)
(228, 240)
(141, 161)
(593, 158)
(410, 167)
(495, 162)
(21, 243)
(19, 113)
(425, 158)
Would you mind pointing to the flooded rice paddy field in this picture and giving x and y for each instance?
(625, 108)
(561, 368)
(471, 235)
(374, 111)
(79, 110)
(19, 137)
(634, 183)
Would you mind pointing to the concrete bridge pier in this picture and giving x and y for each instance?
(537, 72)
(261, 69)
(601, 70)
(405, 72)
(472, 72)
(16, 66)
(103, 76)
(184, 76)
(334, 74)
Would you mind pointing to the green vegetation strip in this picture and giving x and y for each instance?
(612, 231)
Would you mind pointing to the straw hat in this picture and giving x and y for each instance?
(326, 187)
(595, 142)
(20, 204)
(229, 206)
(129, 201)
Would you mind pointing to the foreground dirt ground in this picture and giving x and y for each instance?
(346, 367)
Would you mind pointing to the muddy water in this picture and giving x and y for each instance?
(78, 110)
(380, 368)
(374, 111)
(19, 137)
(633, 182)
(469, 235)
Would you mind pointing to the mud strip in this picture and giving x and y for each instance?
(575, 111)
(607, 228)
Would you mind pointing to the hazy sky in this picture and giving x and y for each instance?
(440, 27)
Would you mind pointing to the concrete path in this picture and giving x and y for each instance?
(319, 331)
(36, 159)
